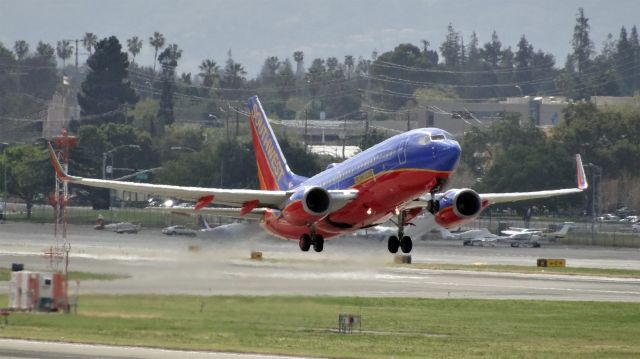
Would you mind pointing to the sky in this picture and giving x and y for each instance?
(255, 29)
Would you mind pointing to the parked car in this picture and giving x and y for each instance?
(635, 228)
(179, 231)
(608, 217)
(630, 219)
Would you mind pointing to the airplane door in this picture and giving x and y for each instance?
(402, 151)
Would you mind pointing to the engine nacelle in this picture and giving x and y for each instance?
(457, 207)
(316, 201)
(308, 206)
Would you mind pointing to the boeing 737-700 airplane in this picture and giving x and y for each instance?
(398, 178)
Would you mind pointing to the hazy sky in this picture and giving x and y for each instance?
(256, 29)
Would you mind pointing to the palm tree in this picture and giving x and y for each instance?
(64, 51)
(21, 48)
(134, 44)
(89, 41)
(298, 57)
(157, 41)
(233, 75)
(44, 50)
(208, 72)
(348, 63)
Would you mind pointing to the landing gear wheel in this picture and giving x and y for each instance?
(305, 242)
(318, 243)
(406, 244)
(393, 244)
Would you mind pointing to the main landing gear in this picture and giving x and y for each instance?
(306, 241)
(401, 241)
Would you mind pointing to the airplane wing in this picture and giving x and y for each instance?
(494, 198)
(247, 198)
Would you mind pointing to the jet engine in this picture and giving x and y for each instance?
(456, 207)
(316, 201)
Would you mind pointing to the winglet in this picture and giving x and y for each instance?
(60, 173)
(582, 179)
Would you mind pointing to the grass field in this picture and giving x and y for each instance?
(606, 272)
(5, 274)
(392, 327)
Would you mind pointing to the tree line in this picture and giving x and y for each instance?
(163, 112)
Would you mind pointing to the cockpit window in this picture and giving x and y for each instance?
(438, 137)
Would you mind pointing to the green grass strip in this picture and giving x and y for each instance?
(603, 272)
(392, 327)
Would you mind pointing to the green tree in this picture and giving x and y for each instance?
(492, 50)
(45, 50)
(28, 173)
(89, 41)
(134, 45)
(21, 48)
(208, 72)
(473, 52)
(581, 43)
(269, 68)
(157, 42)
(64, 51)
(106, 91)
(450, 48)
(523, 65)
(169, 61)
(624, 60)
(233, 74)
(298, 57)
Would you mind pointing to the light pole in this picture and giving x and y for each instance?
(596, 178)
(104, 163)
(4, 197)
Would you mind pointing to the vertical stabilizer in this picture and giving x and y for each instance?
(273, 172)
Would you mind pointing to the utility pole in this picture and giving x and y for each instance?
(366, 129)
(228, 110)
(237, 123)
(77, 53)
(344, 139)
(306, 140)
(408, 120)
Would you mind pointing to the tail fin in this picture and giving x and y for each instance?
(205, 224)
(273, 172)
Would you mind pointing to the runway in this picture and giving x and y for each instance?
(349, 266)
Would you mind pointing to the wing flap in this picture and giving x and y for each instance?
(230, 197)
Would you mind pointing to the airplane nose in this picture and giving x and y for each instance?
(448, 154)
